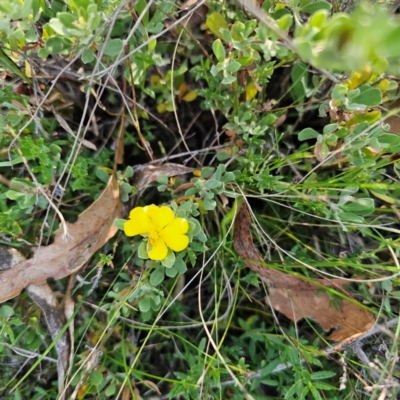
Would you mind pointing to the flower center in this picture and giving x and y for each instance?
(154, 234)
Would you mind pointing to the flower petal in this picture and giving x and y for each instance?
(177, 242)
(177, 226)
(174, 234)
(160, 216)
(138, 223)
(158, 250)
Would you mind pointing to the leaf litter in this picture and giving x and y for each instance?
(92, 230)
(66, 255)
(298, 298)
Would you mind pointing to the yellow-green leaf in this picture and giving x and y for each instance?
(190, 96)
(370, 117)
(215, 22)
(384, 197)
(251, 91)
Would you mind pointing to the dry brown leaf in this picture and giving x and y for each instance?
(9, 257)
(94, 227)
(296, 298)
(394, 120)
(44, 297)
(394, 123)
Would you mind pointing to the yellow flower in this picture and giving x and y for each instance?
(161, 227)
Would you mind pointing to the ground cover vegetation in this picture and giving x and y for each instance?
(199, 200)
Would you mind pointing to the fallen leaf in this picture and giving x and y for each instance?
(94, 227)
(44, 297)
(297, 298)
(394, 120)
(9, 257)
(394, 123)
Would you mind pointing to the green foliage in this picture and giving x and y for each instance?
(210, 183)
(298, 131)
(347, 42)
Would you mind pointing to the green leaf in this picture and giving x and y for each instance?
(209, 204)
(113, 47)
(304, 393)
(228, 80)
(317, 6)
(13, 195)
(212, 184)
(285, 22)
(157, 276)
(387, 285)
(297, 386)
(329, 128)
(219, 172)
(324, 386)
(169, 261)
(128, 173)
(215, 22)
(171, 272)
(245, 61)
(388, 141)
(163, 179)
(228, 177)
(42, 202)
(299, 76)
(54, 45)
(206, 172)
(10, 66)
(201, 236)
(189, 192)
(144, 304)
(322, 375)
(368, 96)
(180, 266)
(142, 251)
(67, 19)
(307, 133)
(360, 206)
(270, 367)
(14, 161)
(88, 56)
(350, 217)
(110, 390)
(28, 200)
(119, 223)
(125, 188)
(342, 132)
(219, 50)
(233, 66)
(339, 91)
(194, 226)
(6, 311)
(96, 377)
(104, 176)
(315, 392)
(346, 194)
(43, 53)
